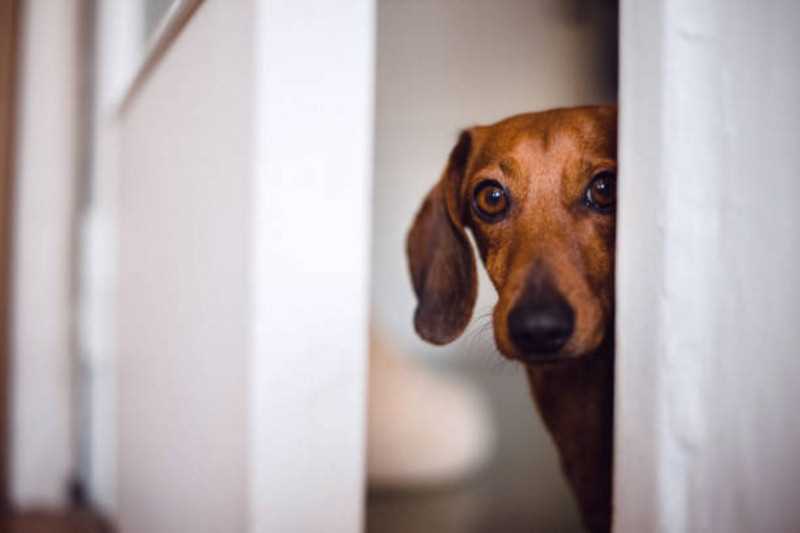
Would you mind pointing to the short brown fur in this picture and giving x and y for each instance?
(545, 161)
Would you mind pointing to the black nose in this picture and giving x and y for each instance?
(542, 325)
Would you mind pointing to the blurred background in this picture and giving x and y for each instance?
(135, 276)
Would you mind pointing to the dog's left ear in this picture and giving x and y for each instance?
(440, 255)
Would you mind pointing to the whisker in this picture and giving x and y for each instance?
(481, 349)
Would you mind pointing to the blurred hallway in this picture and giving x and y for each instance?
(521, 490)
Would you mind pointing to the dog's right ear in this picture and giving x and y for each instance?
(440, 255)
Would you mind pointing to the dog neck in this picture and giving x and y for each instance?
(575, 400)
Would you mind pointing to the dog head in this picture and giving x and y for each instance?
(538, 192)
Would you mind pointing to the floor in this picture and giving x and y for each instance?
(74, 521)
(522, 490)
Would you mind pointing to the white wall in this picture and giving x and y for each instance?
(117, 51)
(310, 203)
(709, 291)
(43, 367)
(185, 142)
(243, 272)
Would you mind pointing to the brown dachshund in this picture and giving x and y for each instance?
(538, 193)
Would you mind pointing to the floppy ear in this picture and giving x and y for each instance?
(440, 256)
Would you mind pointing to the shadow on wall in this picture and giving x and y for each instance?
(444, 65)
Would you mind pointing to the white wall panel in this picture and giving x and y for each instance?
(42, 369)
(243, 272)
(709, 290)
(116, 52)
(185, 141)
(313, 146)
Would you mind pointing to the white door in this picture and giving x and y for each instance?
(708, 357)
(241, 161)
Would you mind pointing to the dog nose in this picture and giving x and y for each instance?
(541, 327)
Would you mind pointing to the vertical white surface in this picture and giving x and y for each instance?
(709, 292)
(241, 310)
(314, 91)
(183, 318)
(117, 47)
(42, 433)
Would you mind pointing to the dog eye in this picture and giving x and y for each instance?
(601, 195)
(490, 201)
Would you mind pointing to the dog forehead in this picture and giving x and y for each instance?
(536, 138)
